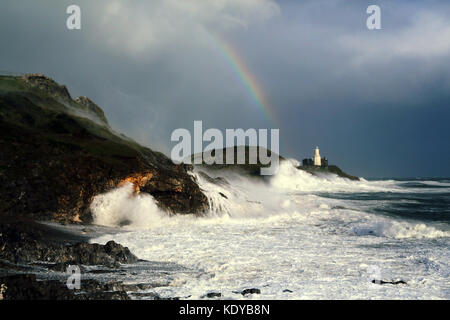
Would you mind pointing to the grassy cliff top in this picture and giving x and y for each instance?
(37, 103)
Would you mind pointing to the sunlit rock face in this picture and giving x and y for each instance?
(47, 85)
(92, 107)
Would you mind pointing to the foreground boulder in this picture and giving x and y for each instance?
(27, 287)
(26, 242)
(249, 291)
(58, 153)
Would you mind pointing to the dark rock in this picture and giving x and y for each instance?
(170, 298)
(57, 267)
(103, 271)
(287, 290)
(27, 287)
(92, 107)
(211, 295)
(119, 253)
(381, 282)
(146, 295)
(115, 295)
(249, 291)
(6, 265)
(315, 170)
(90, 285)
(147, 286)
(110, 254)
(21, 243)
(223, 196)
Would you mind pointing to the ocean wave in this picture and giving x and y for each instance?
(281, 235)
(291, 195)
(122, 208)
(290, 178)
(400, 230)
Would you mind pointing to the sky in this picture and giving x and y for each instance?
(376, 102)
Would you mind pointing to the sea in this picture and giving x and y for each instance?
(295, 236)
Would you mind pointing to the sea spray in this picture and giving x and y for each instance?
(286, 234)
(291, 194)
(121, 207)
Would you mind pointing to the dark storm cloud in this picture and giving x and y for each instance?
(376, 102)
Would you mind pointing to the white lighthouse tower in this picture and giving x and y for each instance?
(317, 159)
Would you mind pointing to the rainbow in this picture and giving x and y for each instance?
(244, 75)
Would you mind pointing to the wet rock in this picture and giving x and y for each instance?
(143, 286)
(249, 291)
(146, 295)
(90, 285)
(56, 267)
(110, 254)
(223, 196)
(211, 295)
(115, 295)
(5, 265)
(119, 253)
(21, 243)
(27, 287)
(381, 282)
(315, 170)
(172, 298)
(103, 271)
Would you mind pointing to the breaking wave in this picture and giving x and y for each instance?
(314, 235)
(122, 208)
(291, 194)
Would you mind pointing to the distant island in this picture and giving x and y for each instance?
(319, 165)
(253, 170)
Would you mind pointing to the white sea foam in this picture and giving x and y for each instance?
(121, 207)
(400, 230)
(283, 235)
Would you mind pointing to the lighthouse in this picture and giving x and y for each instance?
(317, 159)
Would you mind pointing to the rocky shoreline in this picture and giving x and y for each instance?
(58, 153)
(34, 261)
(29, 250)
(34, 258)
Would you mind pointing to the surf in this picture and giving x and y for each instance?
(284, 236)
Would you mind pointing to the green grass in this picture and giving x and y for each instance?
(35, 110)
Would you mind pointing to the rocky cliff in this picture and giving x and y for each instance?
(58, 153)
